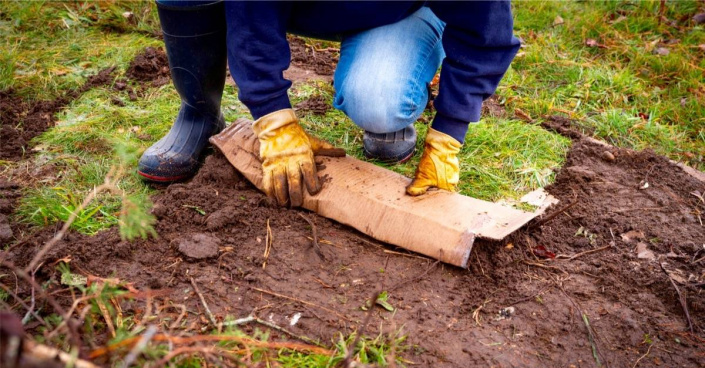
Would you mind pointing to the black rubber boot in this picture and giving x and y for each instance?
(392, 147)
(195, 45)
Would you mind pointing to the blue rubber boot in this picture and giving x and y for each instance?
(194, 37)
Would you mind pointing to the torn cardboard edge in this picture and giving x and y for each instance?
(372, 199)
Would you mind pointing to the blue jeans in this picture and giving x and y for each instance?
(382, 76)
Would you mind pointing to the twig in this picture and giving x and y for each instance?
(553, 215)
(681, 298)
(267, 245)
(645, 355)
(48, 353)
(205, 305)
(570, 258)
(698, 260)
(30, 311)
(281, 329)
(108, 185)
(476, 312)
(297, 300)
(24, 305)
(547, 267)
(316, 247)
(185, 350)
(217, 338)
(591, 335)
(411, 255)
(72, 330)
(106, 317)
(591, 338)
(140, 346)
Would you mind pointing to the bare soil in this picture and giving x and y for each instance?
(596, 278)
(151, 67)
(20, 120)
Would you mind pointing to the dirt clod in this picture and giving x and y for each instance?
(199, 246)
(151, 65)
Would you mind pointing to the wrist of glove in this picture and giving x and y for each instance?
(439, 166)
(287, 154)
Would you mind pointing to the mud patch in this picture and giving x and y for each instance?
(22, 121)
(322, 62)
(317, 105)
(513, 307)
(150, 66)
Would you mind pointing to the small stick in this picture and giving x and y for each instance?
(184, 350)
(315, 236)
(553, 215)
(267, 245)
(644, 356)
(205, 305)
(281, 329)
(217, 338)
(297, 300)
(591, 338)
(547, 267)
(404, 254)
(48, 353)
(24, 305)
(30, 311)
(681, 298)
(140, 346)
(72, 330)
(570, 258)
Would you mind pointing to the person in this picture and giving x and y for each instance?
(389, 53)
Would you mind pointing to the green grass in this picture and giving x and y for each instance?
(50, 47)
(622, 92)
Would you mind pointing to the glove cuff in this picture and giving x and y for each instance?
(273, 121)
(442, 141)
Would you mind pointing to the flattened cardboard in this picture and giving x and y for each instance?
(372, 199)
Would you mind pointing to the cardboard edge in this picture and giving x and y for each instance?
(467, 241)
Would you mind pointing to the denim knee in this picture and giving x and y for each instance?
(376, 106)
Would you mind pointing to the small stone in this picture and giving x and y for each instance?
(643, 252)
(6, 234)
(199, 246)
(607, 156)
(159, 210)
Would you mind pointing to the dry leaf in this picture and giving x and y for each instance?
(662, 51)
(558, 21)
(699, 18)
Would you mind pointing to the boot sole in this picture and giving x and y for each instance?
(163, 179)
(390, 160)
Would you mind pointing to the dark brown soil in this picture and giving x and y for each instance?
(512, 308)
(317, 105)
(322, 62)
(151, 65)
(21, 120)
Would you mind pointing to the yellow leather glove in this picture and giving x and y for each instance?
(439, 166)
(287, 154)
